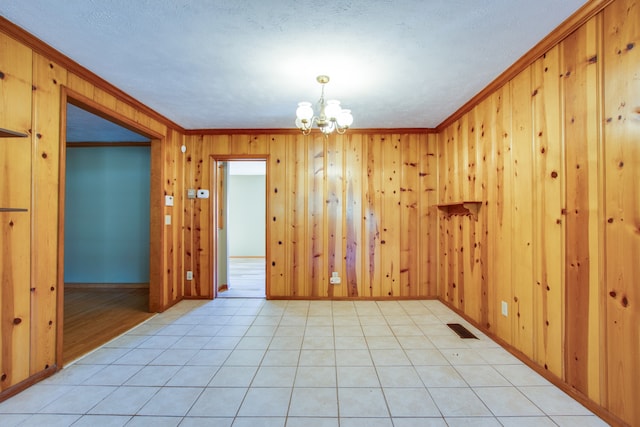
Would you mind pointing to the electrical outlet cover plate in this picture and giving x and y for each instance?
(203, 194)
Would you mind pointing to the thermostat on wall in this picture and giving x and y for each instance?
(202, 194)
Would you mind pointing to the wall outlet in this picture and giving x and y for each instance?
(334, 279)
(505, 309)
(189, 275)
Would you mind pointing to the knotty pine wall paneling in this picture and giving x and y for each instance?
(522, 269)
(471, 295)
(501, 224)
(486, 180)
(45, 165)
(548, 224)
(16, 65)
(580, 79)
(409, 195)
(427, 214)
(294, 282)
(315, 233)
(372, 278)
(334, 204)
(172, 243)
(621, 164)
(278, 206)
(390, 234)
(188, 210)
(354, 220)
(560, 214)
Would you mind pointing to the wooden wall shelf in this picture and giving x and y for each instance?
(469, 208)
(6, 133)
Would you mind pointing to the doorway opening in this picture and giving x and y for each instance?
(105, 268)
(240, 226)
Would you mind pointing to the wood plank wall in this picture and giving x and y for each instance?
(359, 204)
(30, 103)
(554, 158)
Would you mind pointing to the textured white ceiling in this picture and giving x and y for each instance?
(246, 63)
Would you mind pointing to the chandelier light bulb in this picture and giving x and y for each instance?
(345, 119)
(304, 111)
(332, 109)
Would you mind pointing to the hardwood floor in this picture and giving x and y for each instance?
(95, 315)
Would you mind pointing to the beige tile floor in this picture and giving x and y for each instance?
(251, 362)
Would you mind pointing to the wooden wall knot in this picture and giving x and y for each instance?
(17, 321)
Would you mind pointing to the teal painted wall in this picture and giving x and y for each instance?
(107, 215)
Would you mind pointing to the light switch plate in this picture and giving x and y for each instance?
(168, 200)
(191, 193)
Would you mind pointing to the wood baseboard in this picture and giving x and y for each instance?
(106, 286)
(23, 385)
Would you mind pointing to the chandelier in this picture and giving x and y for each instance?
(330, 116)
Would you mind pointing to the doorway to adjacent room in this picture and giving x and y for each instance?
(241, 228)
(105, 266)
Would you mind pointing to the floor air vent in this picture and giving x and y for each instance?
(461, 330)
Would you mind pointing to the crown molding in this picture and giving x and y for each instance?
(287, 131)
